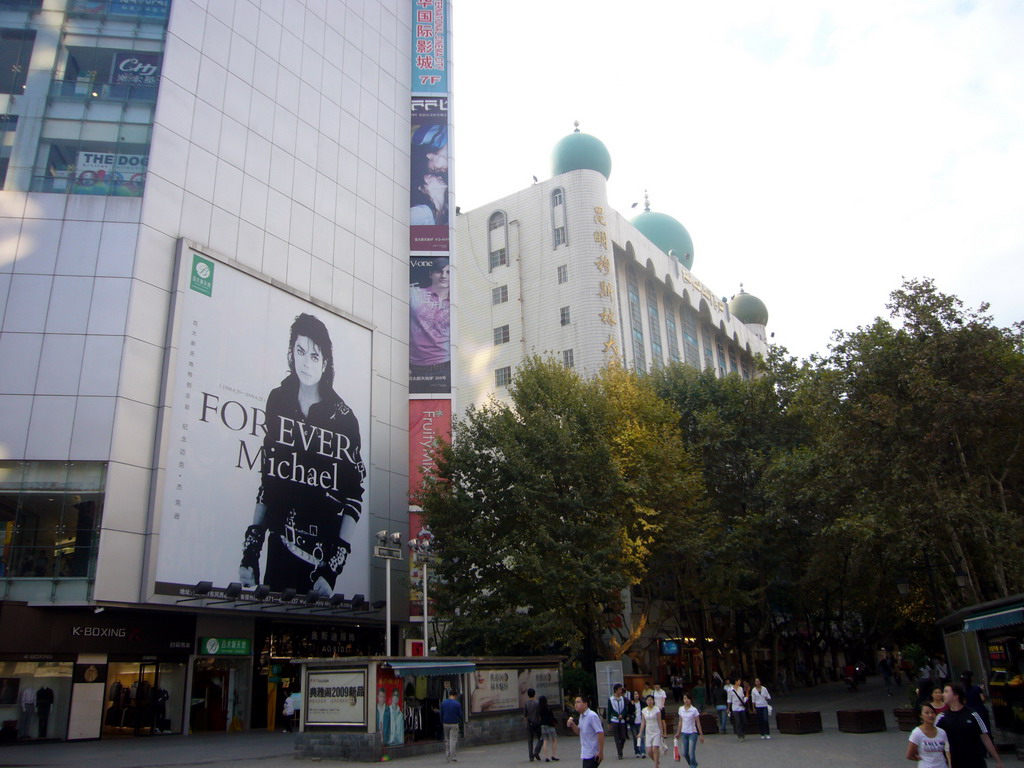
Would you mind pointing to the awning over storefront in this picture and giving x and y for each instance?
(995, 619)
(429, 667)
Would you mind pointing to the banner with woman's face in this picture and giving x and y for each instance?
(232, 347)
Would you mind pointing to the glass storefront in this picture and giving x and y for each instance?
(220, 693)
(50, 515)
(143, 698)
(34, 699)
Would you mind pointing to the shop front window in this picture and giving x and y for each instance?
(34, 699)
(50, 515)
(109, 73)
(93, 167)
(143, 698)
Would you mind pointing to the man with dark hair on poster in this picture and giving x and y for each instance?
(310, 497)
(430, 329)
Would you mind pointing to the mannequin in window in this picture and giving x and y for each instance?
(26, 709)
(44, 700)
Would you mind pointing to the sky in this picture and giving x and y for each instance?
(817, 152)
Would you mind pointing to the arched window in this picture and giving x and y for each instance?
(654, 322)
(497, 240)
(559, 231)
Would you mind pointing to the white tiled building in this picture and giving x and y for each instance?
(272, 136)
(553, 270)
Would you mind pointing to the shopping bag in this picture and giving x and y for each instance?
(676, 750)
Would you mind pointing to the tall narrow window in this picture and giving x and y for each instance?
(501, 335)
(497, 240)
(559, 233)
(654, 323)
(563, 315)
(733, 367)
(563, 274)
(691, 352)
(499, 295)
(636, 320)
(502, 376)
(709, 350)
(567, 358)
(672, 332)
(745, 364)
(15, 53)
(721, 358)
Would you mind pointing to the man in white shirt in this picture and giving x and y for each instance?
(659, 696)
(591, 733)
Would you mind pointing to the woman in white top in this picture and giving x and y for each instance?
(760, 697)
(690, 729)
(738, 706)
(928, 745)
(652, 728)
(638, 719)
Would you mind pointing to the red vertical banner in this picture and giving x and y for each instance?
(429, 420)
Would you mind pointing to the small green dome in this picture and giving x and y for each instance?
(665, 232)
(748, 309)
(579, 151)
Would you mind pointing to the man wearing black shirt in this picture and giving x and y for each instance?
(968, 736)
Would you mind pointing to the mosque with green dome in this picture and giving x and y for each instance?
(552, 269)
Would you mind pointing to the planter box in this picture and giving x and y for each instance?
(861, 720)
(709, 723)
(906, 718)
(798, 722)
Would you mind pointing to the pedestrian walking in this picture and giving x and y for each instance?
(638, 718)
(619, 717)
(928, 745)
(659, 696)
(451, 717)
(967, 732)
(885, 670)
(720, 700)
(591, 733)
(689, 730)
(677, 688)
(975, 697)
(761, 699)
(738, 705)
(531, 711)
(652, 730)
(547, 730)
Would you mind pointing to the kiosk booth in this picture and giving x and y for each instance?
(366, 708)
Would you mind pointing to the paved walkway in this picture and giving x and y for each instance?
(260, 749)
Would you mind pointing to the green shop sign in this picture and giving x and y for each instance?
(225, 646)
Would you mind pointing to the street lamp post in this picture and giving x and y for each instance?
(389, 547)
(422, 556)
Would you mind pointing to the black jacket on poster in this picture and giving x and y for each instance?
(312, 470)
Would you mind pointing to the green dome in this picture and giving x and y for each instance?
(748, 309)
(666, 233)
(579, 151)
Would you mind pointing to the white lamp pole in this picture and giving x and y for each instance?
(388, 553)
(387, 612)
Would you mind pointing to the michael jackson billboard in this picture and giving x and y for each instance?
(266, 419)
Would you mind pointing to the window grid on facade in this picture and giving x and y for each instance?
(654, 321)
(691, 352)
(709, 350)
(502, 376)
(563, 274)
(559, 236)
(721, 357)
(746, 368)
(557, 197)
(636, 320)
(499, 258)
(501, 335)
(496, 221)
(733, 367)
(499, 295)
(567, 358)
(673, 335)
(563, 315)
